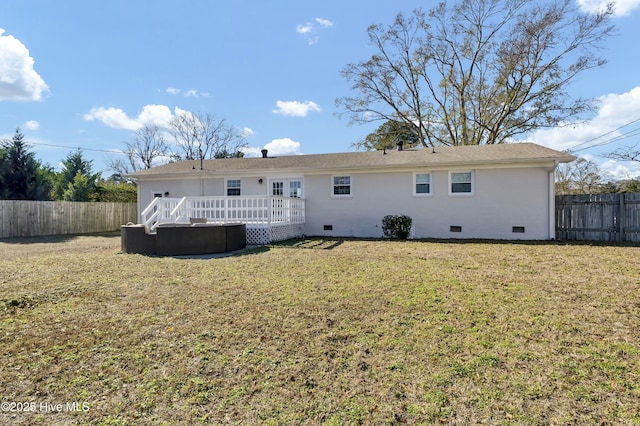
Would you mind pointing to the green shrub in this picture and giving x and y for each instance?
(396, 226)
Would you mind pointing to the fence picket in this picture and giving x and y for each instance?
(598, 217)
(34, 218)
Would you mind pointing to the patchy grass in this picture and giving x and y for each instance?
(340, 332)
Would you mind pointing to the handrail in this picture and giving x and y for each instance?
(260, 210)
(182, 201)
(151, 221)
(151, 205)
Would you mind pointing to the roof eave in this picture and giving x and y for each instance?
(196, 173)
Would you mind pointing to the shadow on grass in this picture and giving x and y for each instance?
(313, 243)
(328, 243)
(247, 251)
(57, 239)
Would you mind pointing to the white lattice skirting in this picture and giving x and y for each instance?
(263, 234)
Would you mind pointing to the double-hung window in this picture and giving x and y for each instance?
(341, 186)
(422, 184)
(461, 183)
(233, 187)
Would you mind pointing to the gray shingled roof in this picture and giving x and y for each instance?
(443, 156)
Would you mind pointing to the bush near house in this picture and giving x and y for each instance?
(396, 226)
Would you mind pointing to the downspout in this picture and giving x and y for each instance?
(552, 201)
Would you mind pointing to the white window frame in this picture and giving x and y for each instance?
(286, 187)
(333, 186)
(227, 188)
(415, 184)
(472, 183)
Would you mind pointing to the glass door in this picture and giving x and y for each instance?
(277, 188)
(286, 188)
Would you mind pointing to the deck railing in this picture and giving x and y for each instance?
(262, 210)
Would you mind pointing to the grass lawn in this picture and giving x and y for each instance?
(320, 331)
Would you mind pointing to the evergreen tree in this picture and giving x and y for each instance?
(22, 177)
(80, 189)
(76, 181)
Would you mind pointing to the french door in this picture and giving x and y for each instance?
(286, 188)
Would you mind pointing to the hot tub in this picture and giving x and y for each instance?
(174, 239)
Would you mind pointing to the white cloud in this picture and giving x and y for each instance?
(246, 132)
(295, 108)
(251, 151)
(615, 110)
(191, 93)
(621, 7)
(310, 30)
(153, 115)
(620, 169)
(284, 146)
(304, 29)
(324, 22)
(276, 148)
(112, 117)
(18, 80)
(617, 114)
(31, 125)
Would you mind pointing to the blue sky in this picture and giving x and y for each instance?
(87, 74)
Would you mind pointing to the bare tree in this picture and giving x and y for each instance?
(205, 136)
(479, 71)
(148, 148)
(628, 153)
(581, 176)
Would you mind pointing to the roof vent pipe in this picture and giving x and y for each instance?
(399, 143)
(264, 153)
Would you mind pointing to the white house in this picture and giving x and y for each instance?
(501, 191)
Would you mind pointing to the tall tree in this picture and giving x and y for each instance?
(205, 136)
(146, 149)
(22, 177)
(477, 71)
(388, 135)
(76, 181)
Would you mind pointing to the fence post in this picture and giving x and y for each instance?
(621, 229)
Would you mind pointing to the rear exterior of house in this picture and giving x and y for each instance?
(489, 192)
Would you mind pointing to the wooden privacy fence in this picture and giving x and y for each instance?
(34, 218)
(598, 217)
